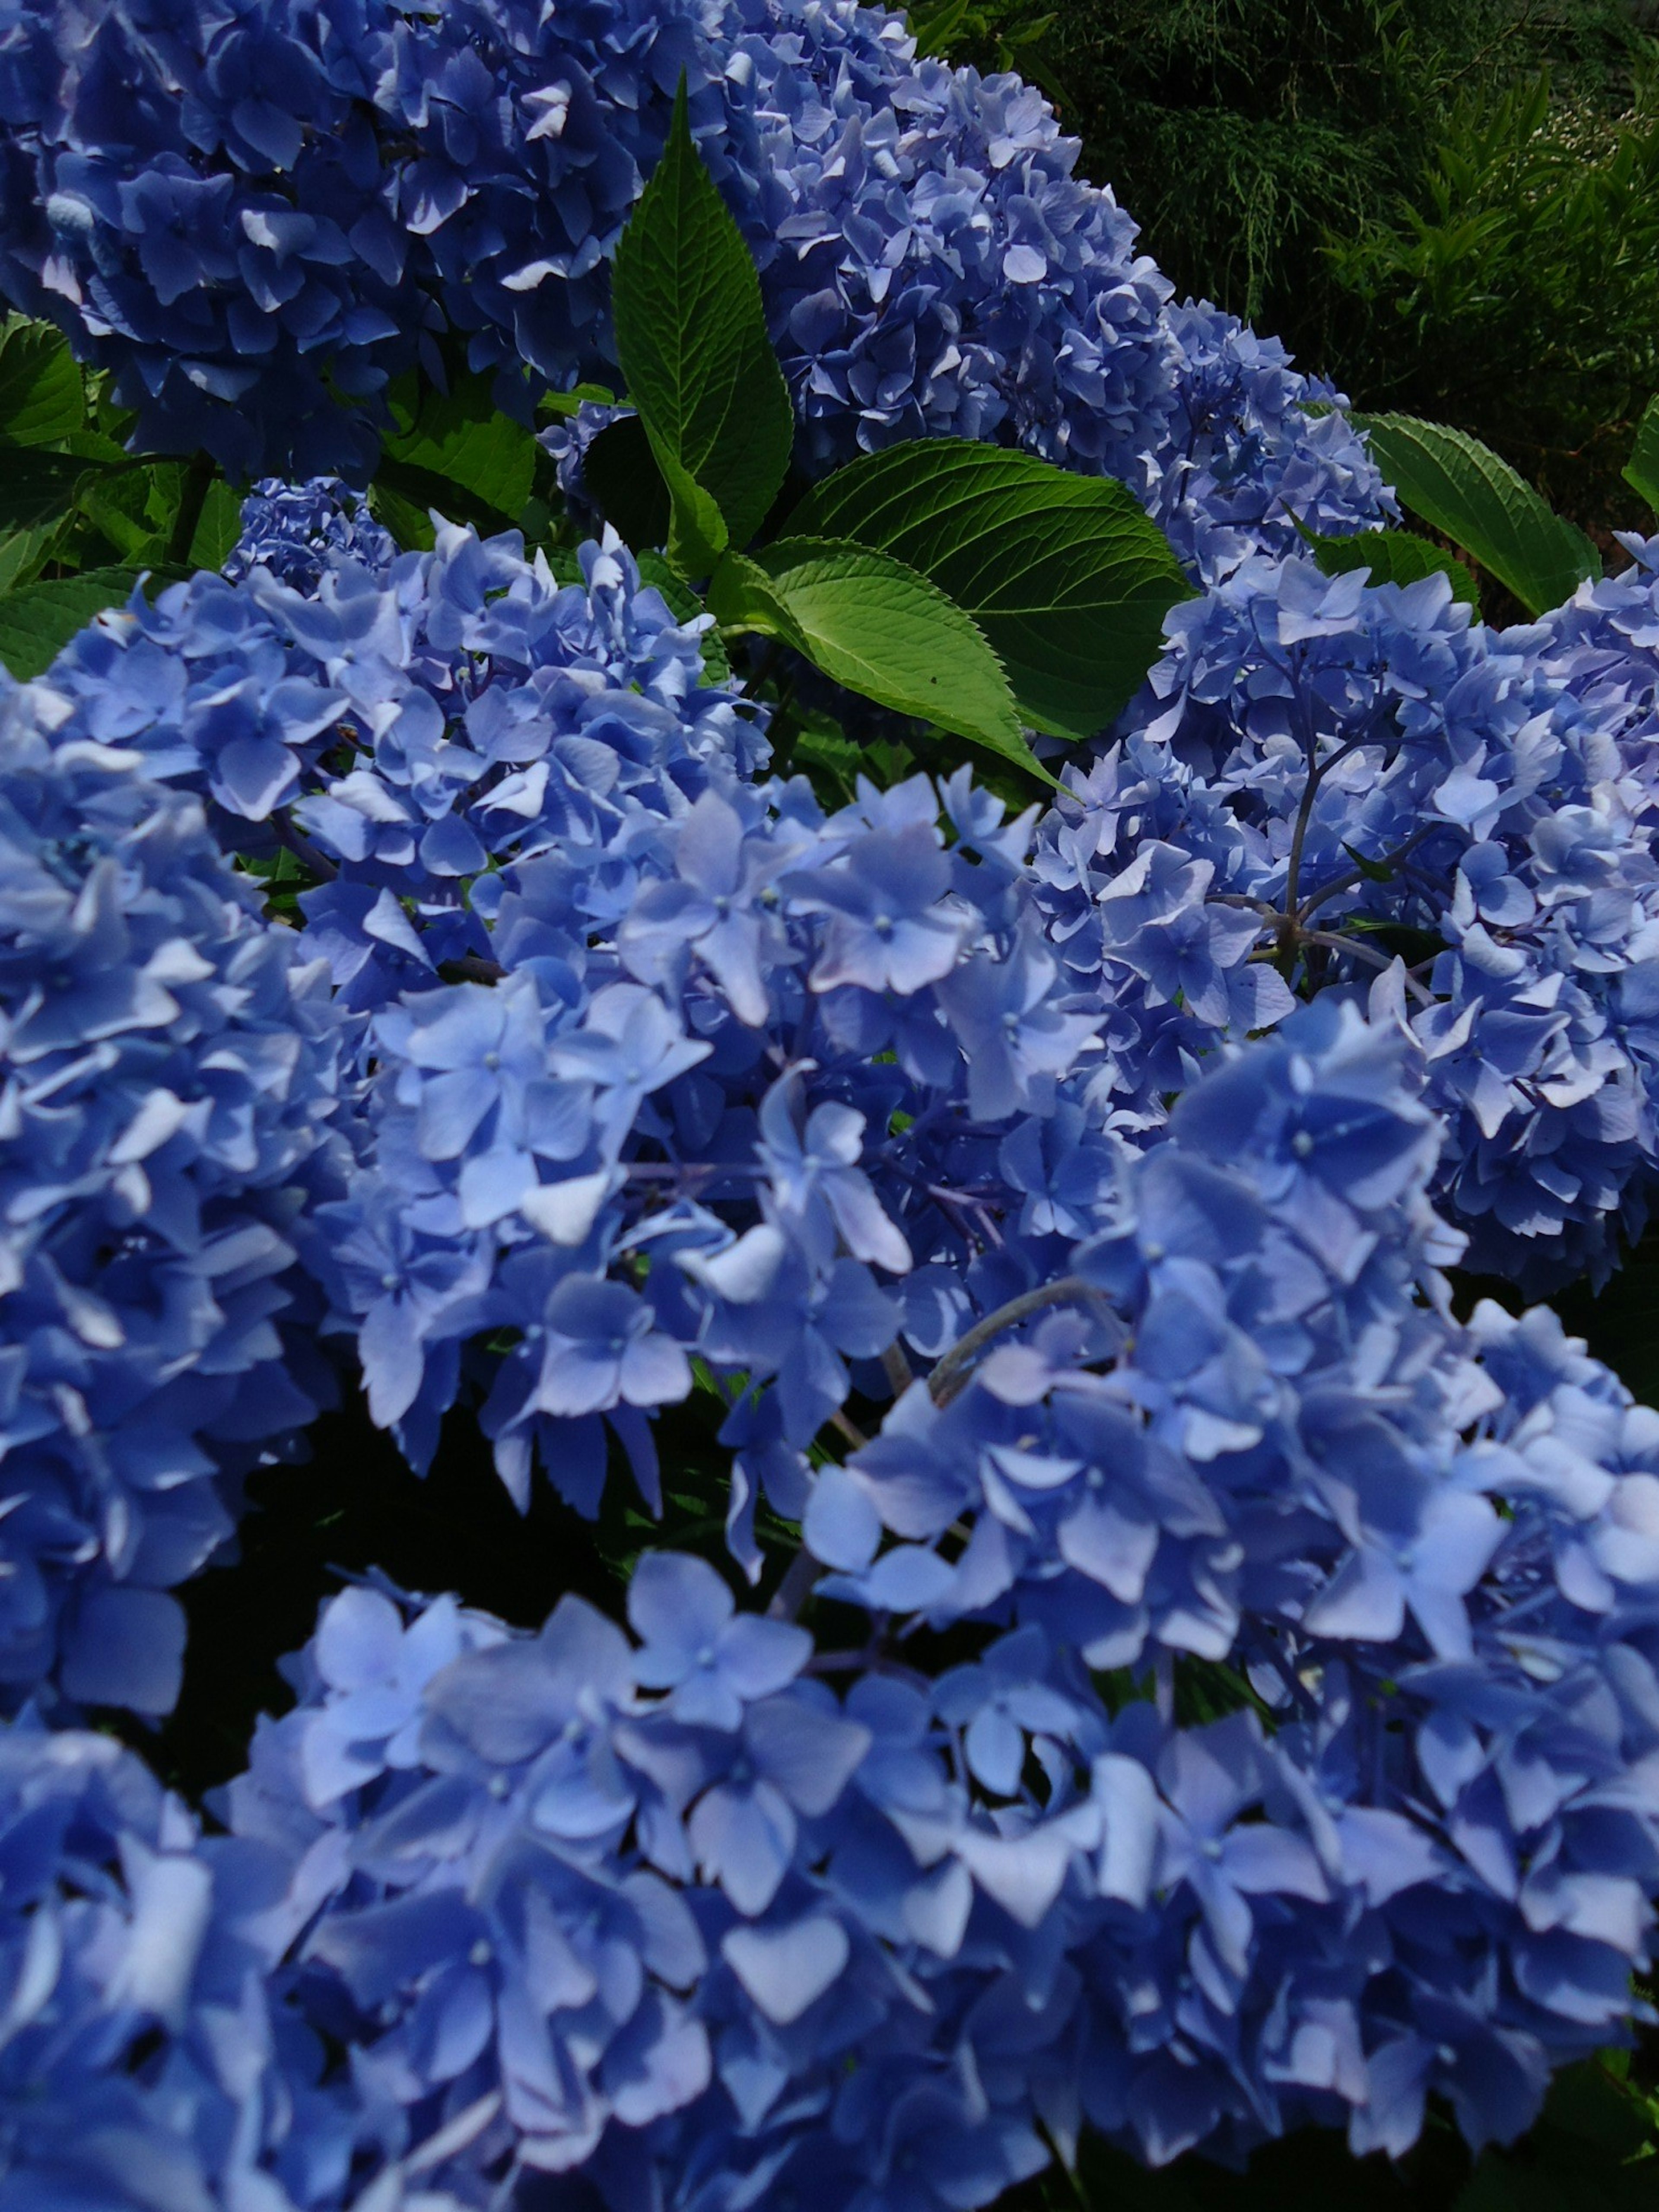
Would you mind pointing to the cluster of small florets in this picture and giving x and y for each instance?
(590, 1067)
(171, 1069)
(1471, 807)
(1604, 646)
(337, 184)
(294, 530)
(668, 1911)
(1242, 469)
(746, 1090)
(409, 725)
(148, 2059)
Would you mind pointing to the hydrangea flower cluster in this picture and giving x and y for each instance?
(1604, 645)
(1322, 774)
(1069, 1299)
(294, 529)
(666, 1911)
(171, 1070)
(409, 723)
(257, 224)
(1241, 465)
(740, 1063)
(144, 2062)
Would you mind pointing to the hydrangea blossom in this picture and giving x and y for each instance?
(170, 1068)
(666, 1912)
(666, 1129)
(1242, 465)
(144, 2062)
(255, 227)
(204, 203)
(1465, 806)
(293, 529)
(408, 722)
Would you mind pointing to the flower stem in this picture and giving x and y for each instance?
(952, 1372)
(192, 498)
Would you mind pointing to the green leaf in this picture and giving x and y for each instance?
(22, 553)
(41, 397)
(461, 455)
(880, 628)
(1394, 556)
(219, 527)
(570, 403)
(38, 622)
(621, 476)
(691, 339)
(406, 519)
(36, 488)
(1459, 486)
(1643, 472)
(1065, 575)
(697, 534)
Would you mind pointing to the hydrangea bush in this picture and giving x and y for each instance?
(869, 866)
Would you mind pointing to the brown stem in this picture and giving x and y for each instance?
(952, 1370)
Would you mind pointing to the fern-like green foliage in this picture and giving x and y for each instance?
(1450, 206)
(1516, 293)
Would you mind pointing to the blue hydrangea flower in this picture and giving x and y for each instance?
(171, 1072)
(145, 2062)
(292, 529)
(1470, 810)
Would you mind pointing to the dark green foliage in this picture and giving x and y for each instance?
(1065, 574)
(1457, 485)
(1450, 206)
(1516, 292)
(691, 336)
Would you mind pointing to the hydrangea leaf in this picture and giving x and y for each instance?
(691, 339)
(460, 442)
(218, 528)
(1065, 575)
(41, 397)
(1456, 484)
(697, 532)
(620, 475)
(1642, 472)
(37, 621)
(23, 554)
(1395, 556)
(37, 488)
(409, 522)
(880, 628)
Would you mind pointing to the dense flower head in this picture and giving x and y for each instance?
(1470, 812)
(171, 1066)
(738, 1056)
(409, 723)
(1604, 645)
(144, 2064)
(1242, 468)
(661, 1909)
(257, 225)
(199, 196)
(292, 529)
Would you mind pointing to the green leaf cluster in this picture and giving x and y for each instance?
(981, 593)
(82, 520)
(1474, 498)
